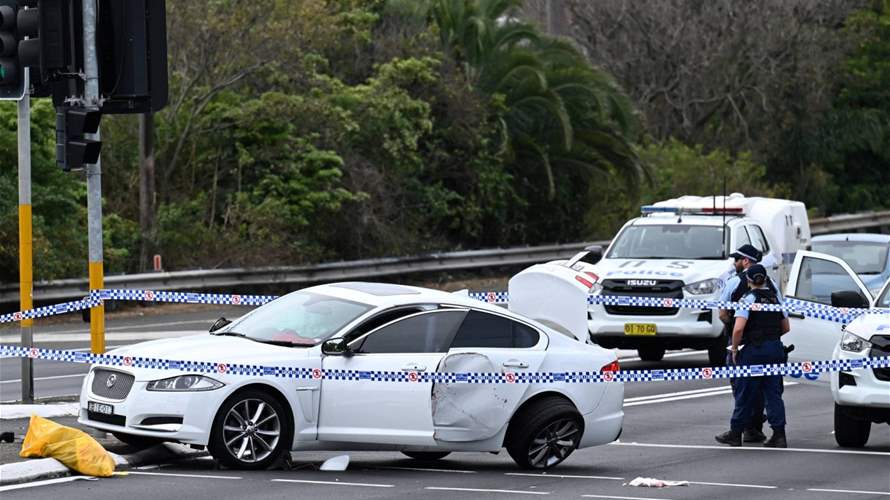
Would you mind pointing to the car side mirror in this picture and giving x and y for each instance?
(336, 347)
(594, 254)
(221, 322)
(849, 298)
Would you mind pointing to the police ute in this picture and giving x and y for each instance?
(681, 248)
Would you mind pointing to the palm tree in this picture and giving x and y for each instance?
(559, 112)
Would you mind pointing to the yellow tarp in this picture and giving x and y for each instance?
(73, 447)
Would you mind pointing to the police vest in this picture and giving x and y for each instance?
(763, 326)
(742, 289)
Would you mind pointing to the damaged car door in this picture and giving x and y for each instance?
(485, 343)
(366, 404)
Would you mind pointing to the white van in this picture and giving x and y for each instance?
(680, 249)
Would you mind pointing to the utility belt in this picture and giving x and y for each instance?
(760, 340)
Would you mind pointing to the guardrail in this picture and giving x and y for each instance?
(227, 279)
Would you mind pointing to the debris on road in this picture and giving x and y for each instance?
(338, 463)
(72, 447)
(651, 482)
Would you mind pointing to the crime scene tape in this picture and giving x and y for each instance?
(586, 377)
(818, 311)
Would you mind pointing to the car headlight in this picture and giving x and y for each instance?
(854, 343)
(184, 383)
(704, 287)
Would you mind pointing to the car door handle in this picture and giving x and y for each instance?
(514, 363)
(413, 367)
(796, 315)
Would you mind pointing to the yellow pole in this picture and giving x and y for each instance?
(97, 314)
(26, 275)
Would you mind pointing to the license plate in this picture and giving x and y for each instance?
(639, 328)
(100, 408)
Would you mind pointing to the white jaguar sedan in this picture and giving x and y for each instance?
(356, 333)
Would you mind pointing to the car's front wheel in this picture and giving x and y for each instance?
(544, 433)
(251, 431)
(849, 431)
(427, 456)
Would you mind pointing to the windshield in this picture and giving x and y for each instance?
(299, 318)
(668, 241)
(864, 257)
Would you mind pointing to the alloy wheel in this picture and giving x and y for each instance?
(554, 443)
(251, 430)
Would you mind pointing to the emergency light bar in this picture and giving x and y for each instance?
(652, 209)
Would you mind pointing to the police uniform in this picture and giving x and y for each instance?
(760, 345)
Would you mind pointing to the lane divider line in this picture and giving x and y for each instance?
(563, 476)
(751, 448)
(421, 469)
(333, 483)
(863, 492)
(173, 474)
(615, 497)
(485, 490)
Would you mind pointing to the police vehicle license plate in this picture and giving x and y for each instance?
(100, 408)
(639, 328)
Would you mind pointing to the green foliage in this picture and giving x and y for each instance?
(679, 170)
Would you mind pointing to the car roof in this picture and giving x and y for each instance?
(661, 219)
(864, 237)
(385, 295)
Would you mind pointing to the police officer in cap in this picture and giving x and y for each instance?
(756, 341)
(733, 290)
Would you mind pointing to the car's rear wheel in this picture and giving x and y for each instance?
(137, 442)
(251, 431)
(427, 456)
(849, 431)
(544, 433)
(651, 353)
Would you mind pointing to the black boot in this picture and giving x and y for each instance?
(753, 435)
(730, 437)
(777, 440)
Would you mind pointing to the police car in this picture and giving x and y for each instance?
(680, 249)
(861, 397)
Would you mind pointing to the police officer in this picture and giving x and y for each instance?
(756, 341)
(733, 290)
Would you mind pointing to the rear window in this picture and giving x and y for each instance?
(863, 256)
(488, 330)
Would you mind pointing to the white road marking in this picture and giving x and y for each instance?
(726, 390)
(112, 329)
(751, 448)
(623, 498)
(54, 377)
(111, 336)
(482, 490)
(46, 482)
(760, 486)
(422, 469)
(562, 476)
(851, 491)
(669, 355)
(197, 476)
(679, 396)
(669, 394)
(333, 483)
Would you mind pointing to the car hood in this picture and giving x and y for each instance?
(689, 271)
(211, 349)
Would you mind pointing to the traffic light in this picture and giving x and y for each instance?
(73, 149)
(12, 82)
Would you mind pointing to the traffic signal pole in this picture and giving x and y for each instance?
(94, 180)
(26, 277)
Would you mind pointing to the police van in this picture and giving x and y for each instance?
(680, 249)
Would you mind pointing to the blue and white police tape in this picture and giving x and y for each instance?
(587, 377)
(818, 311)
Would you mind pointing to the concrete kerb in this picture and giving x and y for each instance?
(50, 468)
